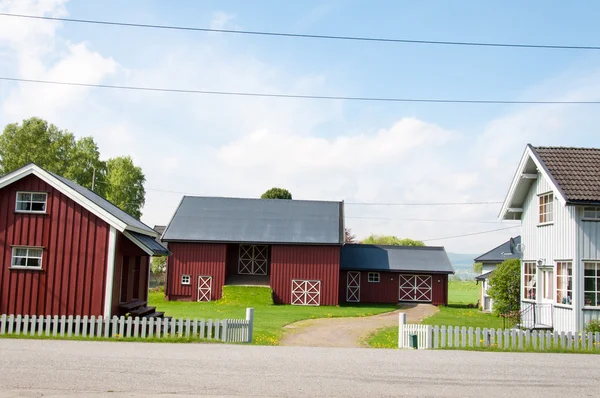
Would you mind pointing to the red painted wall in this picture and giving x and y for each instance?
(387, 290)
(136, 263)
(73, 276)
(195, 259)
(305, 262)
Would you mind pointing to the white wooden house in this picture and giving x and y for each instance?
(556, 195)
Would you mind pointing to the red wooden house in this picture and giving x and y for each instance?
(64, 250)
(297, 248)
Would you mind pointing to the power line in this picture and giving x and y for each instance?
(309, 36)
(422, 203)
(471, 234)
(298, 96)
(429, 220)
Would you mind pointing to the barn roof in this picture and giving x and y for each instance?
(428, 259)
(216, 219)
(499, 253)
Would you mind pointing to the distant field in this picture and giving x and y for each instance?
(463, 292)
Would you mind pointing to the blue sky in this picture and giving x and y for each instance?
(336, 150)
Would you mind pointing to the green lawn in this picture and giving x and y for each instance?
(269, 319)
(457, 313)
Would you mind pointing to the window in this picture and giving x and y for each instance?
(26, 257)
(591, 283)
(546, 207)
(31, 202)
(564, 282)
(374, 277)
(185, 279)
(591, 213)
(529, 290)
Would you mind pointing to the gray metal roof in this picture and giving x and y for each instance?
(500, 253)
(429, 259)
(151, 244)
(214, 219)
(106, 205)
(483, 277)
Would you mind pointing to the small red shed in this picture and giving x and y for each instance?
(64, 250)
(293, 246)
(392, 274)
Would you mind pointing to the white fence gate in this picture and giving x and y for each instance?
(407, 331)
(226, 330)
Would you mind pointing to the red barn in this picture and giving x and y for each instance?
(391, 274)
(64, 250)
(291, 245)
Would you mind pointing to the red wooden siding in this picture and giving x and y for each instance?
(130, 278)
(73, 276)
(305, 262)
(195, 259)
(387, 290)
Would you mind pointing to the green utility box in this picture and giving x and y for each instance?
(413, 341)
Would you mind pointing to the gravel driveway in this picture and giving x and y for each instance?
(349, 332)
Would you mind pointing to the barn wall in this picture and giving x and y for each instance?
(305, 262)
(195, 259)
(73, 276)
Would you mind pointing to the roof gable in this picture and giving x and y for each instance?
(215, 219)
(93, 202)
(499, 253)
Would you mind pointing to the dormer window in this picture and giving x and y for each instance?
(546, 208)
(31, 202)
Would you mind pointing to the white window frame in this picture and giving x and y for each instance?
(596, 279)
(591, 213)
(186, 279)
(31, 202)
(27, 257)
(546, 208)
(529, 281)
(564, 282)
(374, 277)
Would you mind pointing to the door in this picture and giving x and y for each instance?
(548, 285)
(353, 287)
(415, 288)
(306, 292)
(253, 260)
(204, 288)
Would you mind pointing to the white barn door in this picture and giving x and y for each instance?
(306, 292)
(353, 287)
(253, 260)
(204, 288)
(415, 288)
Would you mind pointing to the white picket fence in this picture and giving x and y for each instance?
(434, 337)
(226, 330)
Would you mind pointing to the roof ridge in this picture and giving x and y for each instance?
(263, 199)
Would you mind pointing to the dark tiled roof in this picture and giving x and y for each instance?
(428, 259)
(500, 253)
(213, 219)
(576, 171)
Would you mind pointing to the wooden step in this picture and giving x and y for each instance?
(154, 315)
(142, 311)
(132, 305)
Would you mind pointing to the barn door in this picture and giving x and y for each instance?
(353, 287)
(305, 292)
(415, 288)
(204, 288)
(253, 260)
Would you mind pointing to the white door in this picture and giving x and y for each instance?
(415, 288)
(306, 292)
(353, 287)
(204, 288)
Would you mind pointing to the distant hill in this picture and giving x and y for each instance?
(463, 265)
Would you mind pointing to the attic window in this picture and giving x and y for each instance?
(546, 208)
(591, 213)
(185, 279)
(31, 202)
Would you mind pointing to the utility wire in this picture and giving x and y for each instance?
(322, 97)
(308, 36)
(471, 234)
(428, 220)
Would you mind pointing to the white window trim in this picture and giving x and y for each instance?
(551, 202)
(596, 264)
(373, 274)
(17, 201)
(560, 264)
(189, 279)
(12, 256)
(596, 209)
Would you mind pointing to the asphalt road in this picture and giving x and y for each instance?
(34, 368)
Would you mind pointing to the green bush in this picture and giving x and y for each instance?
(593, 326)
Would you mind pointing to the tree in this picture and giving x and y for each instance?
(391, 240)
(159, 265)
(477, 267)
(505, 287)
(125, 185)
(349, 237)
(276, 193)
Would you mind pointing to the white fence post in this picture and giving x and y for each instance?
(401, 323)
(250, 319)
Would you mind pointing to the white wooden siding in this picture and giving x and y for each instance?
(564, 319)
(588, 315)
(588, 237)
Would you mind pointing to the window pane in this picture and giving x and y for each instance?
(590, 298)
(35, 253)
(20, 252)
(37, 206)
(19, 261)
(25, 206)
(38, 197)
(24, 196)
(34, 262)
